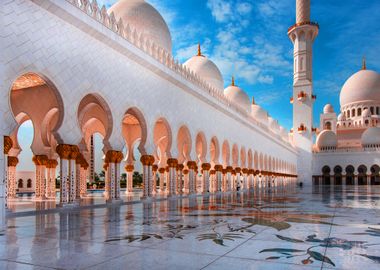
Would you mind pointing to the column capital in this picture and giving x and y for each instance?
(237, 169)
(185, 171)
(64, 150)
(40, 160)
(113, 156)
(154, 168)
(12, 161)
(51, 164)
(212, 172)
(161, 170)
(7, 144)
(129, 168)
(206, 166)
(172, 162)
(192, 165)
(229, 169)
(218, 168)
(147, 160)
(180, 167)
(245, 170)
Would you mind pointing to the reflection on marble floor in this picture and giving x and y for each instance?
(316, 228)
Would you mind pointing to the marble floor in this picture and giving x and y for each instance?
(312, 228)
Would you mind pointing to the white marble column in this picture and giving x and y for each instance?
(180, 168)
(40, 161)
(205, 177)
(51, 167)
(172, 183)
(192, 176)
(64, 152)
(162, 172)
(129, 169)
(12, 185)
(154, 179)
(147, 162)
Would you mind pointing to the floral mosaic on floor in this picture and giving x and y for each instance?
(316, 228)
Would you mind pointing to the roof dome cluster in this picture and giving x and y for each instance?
(362, 86)
(237, 95)
(371, 137)
(327, 139)
(145, 19)
(328, 109)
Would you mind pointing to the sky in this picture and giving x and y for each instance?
(248, 39)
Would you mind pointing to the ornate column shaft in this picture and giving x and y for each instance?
(218, 176)
(51, 167)
(154, 179)
(147, 162)
(245, 178)
(129, 169)
(72, 173)
(84, 171)
(192, 165)
(238, 178)
(186, 181)
(7, 146)
(212, 181)
(229, 178)
(180, 168)
(113, 159)
(12, 163)
(64, 151)
(78, 176)
(205, 177)
(40, 161)
(162, 179)
(172, 183)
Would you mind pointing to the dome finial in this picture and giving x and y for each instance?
(199, 50)
(364, 64)
(233, 81)
(253, 101)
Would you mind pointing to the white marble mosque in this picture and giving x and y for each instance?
(211, 197)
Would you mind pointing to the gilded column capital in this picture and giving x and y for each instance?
(147, 160)
(172, 162)
(74, 152)
(238, 170)
(85, 164)
(64, 151)
(229, 169)
(51, 163)
(12, 161)
(192, 165)
(212, 172)
(185, 171)
(40, 160)
(245, 170)
(224, 171)
(206, 166)
(7, 144)
(167, 168)
(129, 168)
(218, 168)
(180, 167)
(233, 172)
(161, 170)
(113, 156)
(251, 172)
(154, 168)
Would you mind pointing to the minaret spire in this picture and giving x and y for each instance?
(233, 81)
(199, 50)
(364, 64)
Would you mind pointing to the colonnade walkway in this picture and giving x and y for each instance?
(276, 228)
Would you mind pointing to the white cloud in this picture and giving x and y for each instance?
(220, 10)
(243, 8)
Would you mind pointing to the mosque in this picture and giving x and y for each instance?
(74, 69)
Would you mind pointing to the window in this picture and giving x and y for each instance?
(353, 112)
(377, 110)
(20, 183)
(359, 111)
(29, 183)
(328, 125)
(348, 114)
(372, 109)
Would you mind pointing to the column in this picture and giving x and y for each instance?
(180, 168)
(368, 178)
(224, 180)
(72, 173)
(63, 151)
(192, 165)
(84, 172)
(172, 183)
(154, 179)
(238, 178)
(12, 185)
(40, 162)
(205, 177)
(129, 169)
(118, 157)
(147, 162)
(229, 178)
(51, 167)
(218, 176)
(162, 179)
(186, 187)
(212, 186)
(245, 178)
(78, 176)
(113, 159)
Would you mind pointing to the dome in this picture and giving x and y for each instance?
(366, 113)
(328, 109)
(327, 138)
(259, 113)
(362, 86)
(206, 69)
(371, 136)
(273, 125)
(237, 95)
(145, 19)
(284, 133)
(341, 117)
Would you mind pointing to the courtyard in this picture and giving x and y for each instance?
(313, 228)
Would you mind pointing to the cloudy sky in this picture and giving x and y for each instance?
(247, 39)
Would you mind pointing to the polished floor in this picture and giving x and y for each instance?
(312, 228)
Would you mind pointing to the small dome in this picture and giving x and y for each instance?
(145, 19)
(328, 109)
(206, 69)
(366, 113)
(371, 136)
(327, 139)
(342, 117)
(259, 113)
(284, 133)
(362, 86)
(273, 125)
(237, 95)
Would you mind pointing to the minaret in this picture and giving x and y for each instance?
(302, 34)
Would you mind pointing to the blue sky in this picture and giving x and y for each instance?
(247, 39)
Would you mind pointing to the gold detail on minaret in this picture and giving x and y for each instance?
(233, 81)
(199, 50)
(364, 64)
(253, 101)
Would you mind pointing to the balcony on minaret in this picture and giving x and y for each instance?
(302, 129)
(314, 130)
(301, 96)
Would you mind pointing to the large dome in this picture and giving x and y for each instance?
(238, 96)
(371, 137)
(327, 139)
(362, 86)
(206, 69)
(145, 19)
(259, 113)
